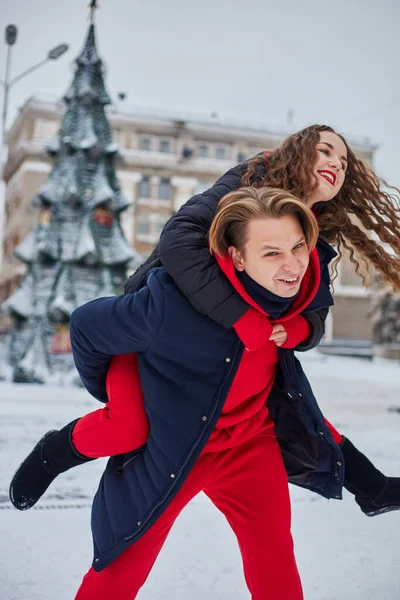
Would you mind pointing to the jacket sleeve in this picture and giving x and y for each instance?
(106, 327)
(138, 279)
(298, 329)
(316, 320)
(185, 254)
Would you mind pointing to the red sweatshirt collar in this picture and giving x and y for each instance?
(308, 289)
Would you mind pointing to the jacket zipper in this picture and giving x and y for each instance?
(129, 460)
(177, 478)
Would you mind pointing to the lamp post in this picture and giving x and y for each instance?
(11, 32)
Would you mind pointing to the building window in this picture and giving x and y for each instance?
(220, 153)
(143, 225)
(202, 186)
(159, 226)
(149, 227)
(145, 187)
(202, 151)
(119, 137)
(165, 146)
(145, 144)
(165, 189)
(129, 140)
(44, 128)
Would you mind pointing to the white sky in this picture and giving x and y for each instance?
(332, 62)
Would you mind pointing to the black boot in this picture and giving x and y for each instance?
(374, 492)
(52, 455)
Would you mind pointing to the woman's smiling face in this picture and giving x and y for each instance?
(330, 167)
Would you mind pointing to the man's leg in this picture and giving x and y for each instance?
(250, 488)
(124, 577)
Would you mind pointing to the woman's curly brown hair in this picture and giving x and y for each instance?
(361, 195)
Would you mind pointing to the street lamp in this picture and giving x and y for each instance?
(57, 52)
(11, 32)
(10, 39)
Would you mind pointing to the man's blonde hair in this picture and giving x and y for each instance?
(236, 209)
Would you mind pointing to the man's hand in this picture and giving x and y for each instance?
(279, 335)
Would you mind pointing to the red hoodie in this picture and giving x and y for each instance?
(245, 413)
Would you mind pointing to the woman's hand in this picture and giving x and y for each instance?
(279, 335)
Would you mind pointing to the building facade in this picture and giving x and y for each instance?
(164, 161)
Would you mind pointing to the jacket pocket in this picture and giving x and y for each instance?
(123, 460)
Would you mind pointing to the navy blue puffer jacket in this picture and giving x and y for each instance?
(187, 365)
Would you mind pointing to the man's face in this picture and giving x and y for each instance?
(275, 255)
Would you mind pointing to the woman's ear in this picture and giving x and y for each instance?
(237, 258)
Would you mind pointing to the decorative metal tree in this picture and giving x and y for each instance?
(77, 250)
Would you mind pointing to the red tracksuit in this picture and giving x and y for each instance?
(241, 470)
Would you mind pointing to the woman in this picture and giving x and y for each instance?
(318, 166)
(210, 427)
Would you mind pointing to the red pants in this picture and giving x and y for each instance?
(122, 425)
(248, 484)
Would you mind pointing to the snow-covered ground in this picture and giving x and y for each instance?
(342, 554)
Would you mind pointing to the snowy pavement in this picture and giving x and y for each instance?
(342, 554)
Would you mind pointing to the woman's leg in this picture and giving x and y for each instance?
(119, 427)
(252, 492)
(374, 492)
(122, 425)
(124, 577)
